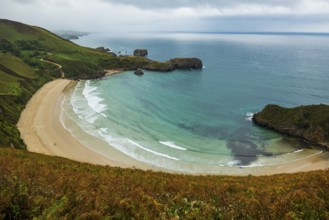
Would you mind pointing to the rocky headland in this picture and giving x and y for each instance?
(174, 64)
(310, 123)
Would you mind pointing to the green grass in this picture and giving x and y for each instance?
(22, 73)
(17, 65)
(45, 187)
(14, 31)
(9, 85)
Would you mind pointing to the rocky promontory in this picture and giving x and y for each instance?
(310, 123)
(186, 63)
(174, 64)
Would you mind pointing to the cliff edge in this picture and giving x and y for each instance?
(310, 123)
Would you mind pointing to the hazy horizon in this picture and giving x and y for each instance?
(180, 15)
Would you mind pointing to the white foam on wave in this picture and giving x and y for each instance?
(104, 130)
(249, 116)
(93, 100)
(152, 151)
(297, 151)
(233, 163)
(171, 144)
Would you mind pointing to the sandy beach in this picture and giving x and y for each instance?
(42, 131)
(112, 72)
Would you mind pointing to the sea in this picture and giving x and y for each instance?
(200, 120)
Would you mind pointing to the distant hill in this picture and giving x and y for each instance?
(71, 35)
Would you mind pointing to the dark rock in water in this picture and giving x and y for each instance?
(207, 131)
(140, 52)
(106, 50)
(186, 63)
(245, 151)
(310, 123)
(139, 72)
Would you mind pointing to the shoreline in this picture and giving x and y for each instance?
(112, 72)
(43, 132)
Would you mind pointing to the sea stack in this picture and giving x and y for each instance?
(140, 52)
(139, 72)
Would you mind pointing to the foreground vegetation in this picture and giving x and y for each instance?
(33, 185)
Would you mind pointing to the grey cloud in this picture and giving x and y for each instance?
(24, 1)
(169, 4)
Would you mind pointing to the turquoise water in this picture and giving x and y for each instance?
(193, 118)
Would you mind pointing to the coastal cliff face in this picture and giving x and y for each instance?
(175, 64)
(186, 63)
(310, 123)
(140, 52)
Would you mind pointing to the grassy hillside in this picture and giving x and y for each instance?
(33, 185)
(22, 47)
(22, 72)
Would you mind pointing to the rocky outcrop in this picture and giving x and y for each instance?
(186, 63)
(159, 66)
(106, 50)
(135, 62)
(175, 64)
(140, 52)
(310, 123)
(139, 72)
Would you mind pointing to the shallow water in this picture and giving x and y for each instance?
(197, 120)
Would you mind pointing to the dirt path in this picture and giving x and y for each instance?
(59, 67)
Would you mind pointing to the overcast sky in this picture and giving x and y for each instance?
(171, 15)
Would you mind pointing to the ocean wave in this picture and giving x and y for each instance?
(249, 116)
(152, 151)
(94, 101)
(232, 163)
(171, 144)
(104, 130)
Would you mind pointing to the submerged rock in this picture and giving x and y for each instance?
(140, 52)
(139, 72)
(310, 123)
